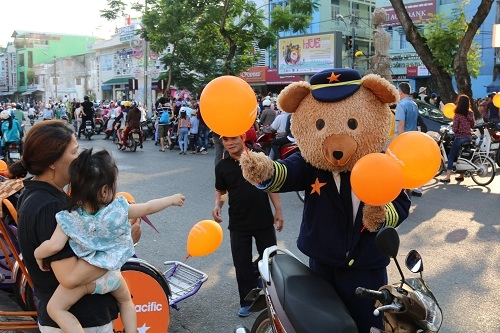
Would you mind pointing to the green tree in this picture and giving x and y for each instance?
(444, 48)
(207, 39)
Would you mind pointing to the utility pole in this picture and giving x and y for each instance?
(146, 65)
(353, 34)
(55, 78)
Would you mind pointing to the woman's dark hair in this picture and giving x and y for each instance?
(10, 122)
(44, 144)
(88, 173)
(462, 104)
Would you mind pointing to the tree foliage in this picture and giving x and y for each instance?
(459, 43)
(209, 38)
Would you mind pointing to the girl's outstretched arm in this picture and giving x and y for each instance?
(155, 205)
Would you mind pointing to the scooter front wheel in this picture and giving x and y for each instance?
(486, 170)
(263, 323)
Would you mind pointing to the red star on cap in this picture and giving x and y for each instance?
(333, 77)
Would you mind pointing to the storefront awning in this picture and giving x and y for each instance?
(118, 80)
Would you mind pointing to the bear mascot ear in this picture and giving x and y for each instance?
(382, 88)
(290, 98)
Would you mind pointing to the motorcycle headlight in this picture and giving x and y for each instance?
(434, 315)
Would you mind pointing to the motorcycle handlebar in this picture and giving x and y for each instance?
(384, 296)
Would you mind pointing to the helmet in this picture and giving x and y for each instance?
(133, 104)
(5, 114)
(18, 106)
(126, 103)
(13, 105)
(85, 98)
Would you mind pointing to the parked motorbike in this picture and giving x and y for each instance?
(32, 119)
(295, 299)
(493, 130)
(148, 129)
(98, 125)
(89, 131)
(12, 152)
(473, 157)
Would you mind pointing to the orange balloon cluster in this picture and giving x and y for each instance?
(204, 238)
(228, 106)
(418, 155)
(376, 179)
(127, 196)
(411, 160)
(449, 110)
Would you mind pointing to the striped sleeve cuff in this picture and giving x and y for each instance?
(391, 215)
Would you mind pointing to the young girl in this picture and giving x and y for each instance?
(98, 230)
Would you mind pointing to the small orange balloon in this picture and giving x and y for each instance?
(496, 100)
(449, 110)
(127, 196)
(228, 106)
(204, 238)
(376, 179)
(418, 155)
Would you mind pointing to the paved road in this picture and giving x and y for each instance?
(455, 228)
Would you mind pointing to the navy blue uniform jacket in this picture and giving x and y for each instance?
(327, 234)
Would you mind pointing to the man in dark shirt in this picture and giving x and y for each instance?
(87, 114)
(250, 216)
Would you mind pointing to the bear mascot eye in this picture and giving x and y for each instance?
(320, 123)
(352, 123)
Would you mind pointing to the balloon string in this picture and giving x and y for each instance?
(187, 257)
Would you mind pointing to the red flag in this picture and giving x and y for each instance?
(128, 20)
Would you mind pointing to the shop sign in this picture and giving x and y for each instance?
(254, 74)
(416, 71)
(272, 78)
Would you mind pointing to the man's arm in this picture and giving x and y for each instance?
(220, 198)
(401, 126)
(278, 212)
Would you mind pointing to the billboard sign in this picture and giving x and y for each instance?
(417, 10)
(308, 54)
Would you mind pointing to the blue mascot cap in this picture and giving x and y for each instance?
(336, 84)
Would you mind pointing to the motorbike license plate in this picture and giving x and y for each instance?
(88, 128)
(15, 155)
(135, 136)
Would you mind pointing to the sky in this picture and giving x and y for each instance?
(80, 17)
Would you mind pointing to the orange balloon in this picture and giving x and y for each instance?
(496, 100)
(204, 238)
(228, 106)
(376, 179)
(418, 155)
(3, 166)
(449, 110)
(127, 196)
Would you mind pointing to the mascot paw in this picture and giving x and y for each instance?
(256, 167)
(373, 217)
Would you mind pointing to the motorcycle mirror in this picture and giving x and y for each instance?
(414, 262)
(387, 241)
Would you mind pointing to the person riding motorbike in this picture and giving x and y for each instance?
(278, 142)
(121, 119)
(87, 114)
(11, 131)
(133, 121)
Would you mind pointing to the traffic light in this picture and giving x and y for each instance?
(348, 43)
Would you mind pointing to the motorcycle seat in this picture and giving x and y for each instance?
(309, 301)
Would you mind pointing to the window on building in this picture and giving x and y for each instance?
(30, 59)
(446, 2)
(335, 9)
(22, 79)
(21, 60)
(78, 81)
(402, 40)
(390, 31)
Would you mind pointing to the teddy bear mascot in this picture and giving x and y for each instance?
(337, 118)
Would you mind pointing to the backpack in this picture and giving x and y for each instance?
(164, 118)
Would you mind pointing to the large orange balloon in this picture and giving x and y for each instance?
(376, 179)
(418, 155)
(204, 238)
(449, 110)
(496, 100)
(228, 106)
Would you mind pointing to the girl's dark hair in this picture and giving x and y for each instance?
(10, 123)
(44, 144)
(462, 104)
(88, 173)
